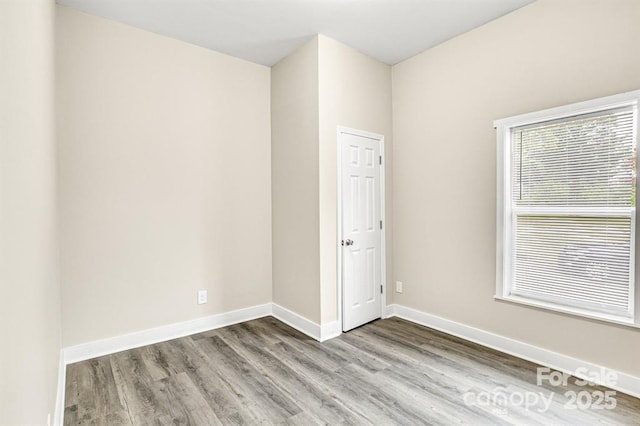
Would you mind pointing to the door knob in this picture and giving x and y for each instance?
(347, 242)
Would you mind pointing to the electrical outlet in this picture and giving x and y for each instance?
(398, 286)
(202, 297)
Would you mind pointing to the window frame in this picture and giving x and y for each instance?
(505, 219)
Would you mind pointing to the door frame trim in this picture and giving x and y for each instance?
(383, 238)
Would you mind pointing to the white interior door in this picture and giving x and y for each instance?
(361, 229)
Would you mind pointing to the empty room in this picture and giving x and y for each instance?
(305, 212)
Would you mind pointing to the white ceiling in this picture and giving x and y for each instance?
(265, 31)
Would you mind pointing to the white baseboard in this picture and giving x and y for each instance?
(320, 333)
(296, 321)
(390, 311)
(150, 336)
(330, 330)
(58, 414)
(625, 383)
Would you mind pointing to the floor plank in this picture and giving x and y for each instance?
(265, 372)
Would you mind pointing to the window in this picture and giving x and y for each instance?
(567, 208)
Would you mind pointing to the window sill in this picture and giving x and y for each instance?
(568, 310)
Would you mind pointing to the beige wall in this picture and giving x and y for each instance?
(322, 85)
(445, 100)
(164, 179)
(294, 164)
(355, 91)
(29, 294)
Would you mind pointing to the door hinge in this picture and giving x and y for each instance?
(380, 160)
(380, 224)
(380, 288)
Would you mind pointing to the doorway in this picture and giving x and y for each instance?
(361, 253)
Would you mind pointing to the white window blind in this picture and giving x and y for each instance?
(569, 210)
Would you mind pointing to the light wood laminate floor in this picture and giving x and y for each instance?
(264, 372)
